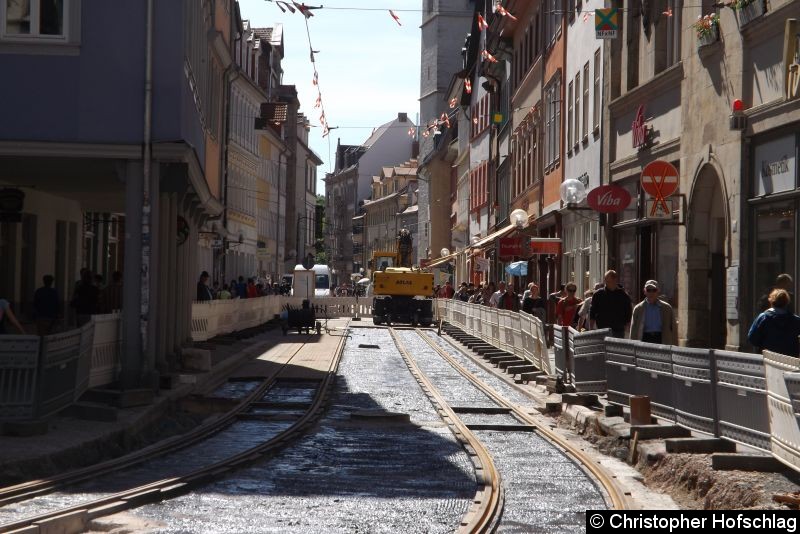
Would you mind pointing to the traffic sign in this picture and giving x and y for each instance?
(658, 209)
(660, 180)
(606, 23)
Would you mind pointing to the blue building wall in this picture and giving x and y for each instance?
(97, 96)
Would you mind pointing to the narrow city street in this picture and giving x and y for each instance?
(399, 266)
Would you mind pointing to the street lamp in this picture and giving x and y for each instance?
(519, 218)
(572, 192)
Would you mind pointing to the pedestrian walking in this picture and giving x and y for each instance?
(776, 329)
(252, 292)
(611, 307)
(463, 292)
(567, 308)
(783, 281)
(45, 306)
(224, 293)
(241, 288)
(86, 299)
(488, 293)
(7, 314)
(111, 296)
(203, 291)
(584, 323)
(510, 300)
(533, 303)
(653, 319)
(447, 291)
(552, 302)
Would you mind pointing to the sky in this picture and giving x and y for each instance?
(368, 65)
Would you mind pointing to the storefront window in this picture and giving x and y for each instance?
(775, 245)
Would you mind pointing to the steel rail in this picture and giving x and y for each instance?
(76, 518)
(487, 506)
(615, 495)
(30, 489)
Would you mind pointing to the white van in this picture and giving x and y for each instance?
(322, 281)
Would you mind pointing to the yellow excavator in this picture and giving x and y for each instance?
(401, 294)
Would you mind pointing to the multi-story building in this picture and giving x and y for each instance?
(243, 165)
(156, 160)
(305, 194)
(351, 184)
(582, 261)
(444, 26)
(714, 101)
(392, 195)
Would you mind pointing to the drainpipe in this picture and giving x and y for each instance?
(148, 119)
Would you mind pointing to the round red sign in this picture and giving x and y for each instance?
(660, 179)
(608, 199)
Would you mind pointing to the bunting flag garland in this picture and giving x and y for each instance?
(488, 57)
(482, 25)
(585, 16)
(453, 102)
(445, 119)
(281, 6)
(668, 12)
(474, 120)
(500, 9)
(411, 132)
(315, 81)
(318, 102)
(395, 17)
(304, 9)
(468, 86)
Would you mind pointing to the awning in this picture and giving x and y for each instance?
(443, 259)
(489, 239)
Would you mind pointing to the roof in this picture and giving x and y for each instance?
(377, 133)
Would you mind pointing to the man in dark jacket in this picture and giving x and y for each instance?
(203, 291)
(611, 307)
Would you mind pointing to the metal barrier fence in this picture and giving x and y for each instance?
(518, 333)
(41, 375)
(751, 399)
(219, 317)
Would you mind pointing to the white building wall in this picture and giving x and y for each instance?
(391, 148)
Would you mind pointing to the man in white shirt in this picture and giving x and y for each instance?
(494, 302)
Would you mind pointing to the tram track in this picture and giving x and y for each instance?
(75, 517)
(488, 502)
(497, 416)
(615, 495)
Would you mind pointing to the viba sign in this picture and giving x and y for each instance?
(608, 199)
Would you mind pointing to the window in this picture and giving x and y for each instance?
(34, 18)
(553, 121)
(577, 127)
(596, 103)
(570, 115)
(585, 110)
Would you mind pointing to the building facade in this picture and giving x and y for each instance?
(62, 151)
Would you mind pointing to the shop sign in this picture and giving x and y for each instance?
(606, 23)
(775, 166)
(510, 247)
(545, 245)
(639, 129)
(216, 243)
(482, 265)
(659, 180)
(608, 199)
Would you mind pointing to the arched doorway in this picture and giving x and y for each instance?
(706, 244)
